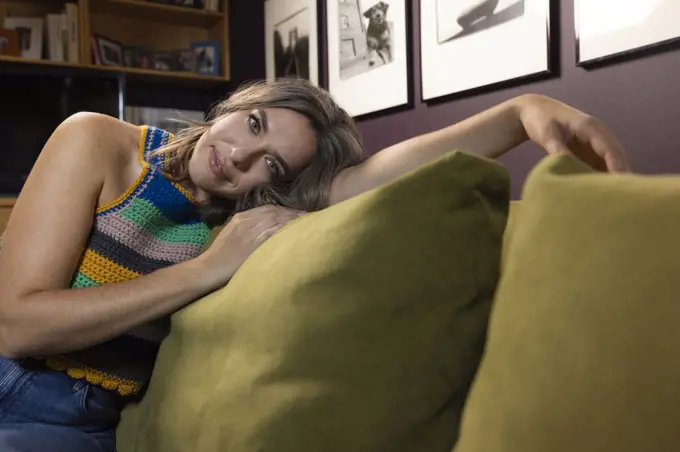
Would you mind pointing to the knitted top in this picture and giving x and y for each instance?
(152, 225)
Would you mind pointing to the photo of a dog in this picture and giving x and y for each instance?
(366, 36)
(378, 38)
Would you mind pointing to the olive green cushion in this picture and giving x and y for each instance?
(356, 328)
(582, 353)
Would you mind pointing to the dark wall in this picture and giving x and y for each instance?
(639, 99)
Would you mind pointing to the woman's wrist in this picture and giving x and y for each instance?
(527, 106)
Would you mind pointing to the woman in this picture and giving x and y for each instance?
(104, 241)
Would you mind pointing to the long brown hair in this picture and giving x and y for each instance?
(338, 146)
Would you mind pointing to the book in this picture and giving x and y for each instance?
(55, 37)
(73, 42)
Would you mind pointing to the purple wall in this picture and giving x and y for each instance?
(639, 99)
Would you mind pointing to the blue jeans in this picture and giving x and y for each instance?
(45, 410)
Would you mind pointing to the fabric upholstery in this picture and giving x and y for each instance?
(356, 328)
(582, 345)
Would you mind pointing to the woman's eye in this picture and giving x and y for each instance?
(254, 124)
(273, 167)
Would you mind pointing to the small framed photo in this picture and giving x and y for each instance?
(207, 57)
(177, 61)
(30, 31)
(139, 57)
(110, 51)
(9, 42)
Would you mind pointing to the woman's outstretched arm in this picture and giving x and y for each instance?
(551, 124)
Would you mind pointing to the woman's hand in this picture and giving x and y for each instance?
(242, 235)
(559, 128)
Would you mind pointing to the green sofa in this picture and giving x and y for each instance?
(433, 315)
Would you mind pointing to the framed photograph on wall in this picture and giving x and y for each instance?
(614, 28)
(469, 44)
(368, 59)
(291, 47)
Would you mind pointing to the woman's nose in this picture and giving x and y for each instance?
(243, 157)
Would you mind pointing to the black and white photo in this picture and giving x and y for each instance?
(367, 54)
(30, 31)
(365, 36)
(291, 39)
(611, 28)
(459, 18)
(291, 46)
(110, 51)
(206, 57)
(470, 44)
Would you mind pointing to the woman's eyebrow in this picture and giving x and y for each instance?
(264, 119)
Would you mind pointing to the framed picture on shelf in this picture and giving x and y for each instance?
(9, 42)
(177, 61)
(368, 54)
(206, 57)
(608, 28)
(292, 39)
(139, 57)
(30, 31)
(470, 44)
(185, 3)
(110, 52)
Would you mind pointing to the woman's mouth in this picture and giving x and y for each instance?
(217, 164)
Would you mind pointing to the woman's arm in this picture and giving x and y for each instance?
(42, 245)
(47, 232)
(551, 124)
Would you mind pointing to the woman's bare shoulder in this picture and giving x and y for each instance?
(102, 129)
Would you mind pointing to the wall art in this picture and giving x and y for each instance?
(469, 44)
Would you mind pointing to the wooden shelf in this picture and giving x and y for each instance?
(7, 201)
(158, 12)
(136, 73)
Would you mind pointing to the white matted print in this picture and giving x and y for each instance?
(367, 54)
(291, 39)
(468, 44)
(606, 28)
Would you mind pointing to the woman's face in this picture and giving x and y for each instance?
(247, 149)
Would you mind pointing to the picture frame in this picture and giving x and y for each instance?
(110, 52)
(137, 57)
(207, 57)
(30, 31)
(369, 55)
(9, 42)
(637, 27)
(468, 45)
(176, 61)
(291, 37)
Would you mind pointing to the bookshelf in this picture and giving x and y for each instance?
(6, 205)
(132, 73)
(157, 27)
(154, 27)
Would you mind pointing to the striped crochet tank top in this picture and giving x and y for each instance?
(152, 225)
